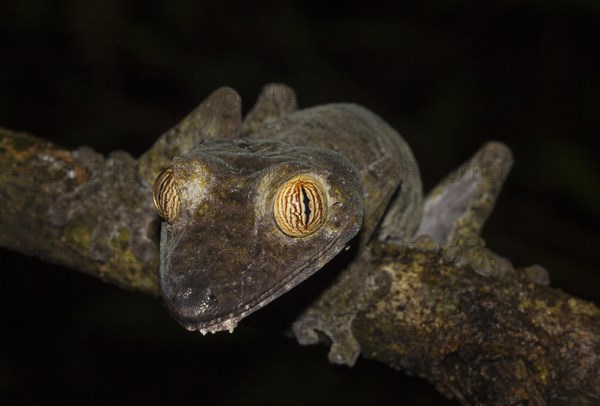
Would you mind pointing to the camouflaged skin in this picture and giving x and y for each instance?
(224, 257)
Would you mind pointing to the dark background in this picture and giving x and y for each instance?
(447, 75)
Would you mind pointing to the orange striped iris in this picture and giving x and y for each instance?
(300, 206)
(165, 197)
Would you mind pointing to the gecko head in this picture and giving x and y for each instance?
(246, 221)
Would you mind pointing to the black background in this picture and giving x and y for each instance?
(447, 75)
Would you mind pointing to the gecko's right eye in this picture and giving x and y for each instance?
(165, 197)
(300, 206)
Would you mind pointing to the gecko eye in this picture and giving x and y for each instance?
(300, 206)
(165, 197)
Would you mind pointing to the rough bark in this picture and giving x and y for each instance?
(78, 209)
(500, 339)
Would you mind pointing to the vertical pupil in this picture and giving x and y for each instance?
(299, 207)
(306, 204)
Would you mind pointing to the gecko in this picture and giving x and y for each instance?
(252, 207)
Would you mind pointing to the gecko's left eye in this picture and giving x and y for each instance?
(300, 206)
(165, 197)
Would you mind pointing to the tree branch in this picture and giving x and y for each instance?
(78, 209)
(442, 307)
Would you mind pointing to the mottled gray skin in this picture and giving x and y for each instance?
(224, 257)
(383, 159)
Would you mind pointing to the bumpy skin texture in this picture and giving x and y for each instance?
(224, 257)
(384, 160)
